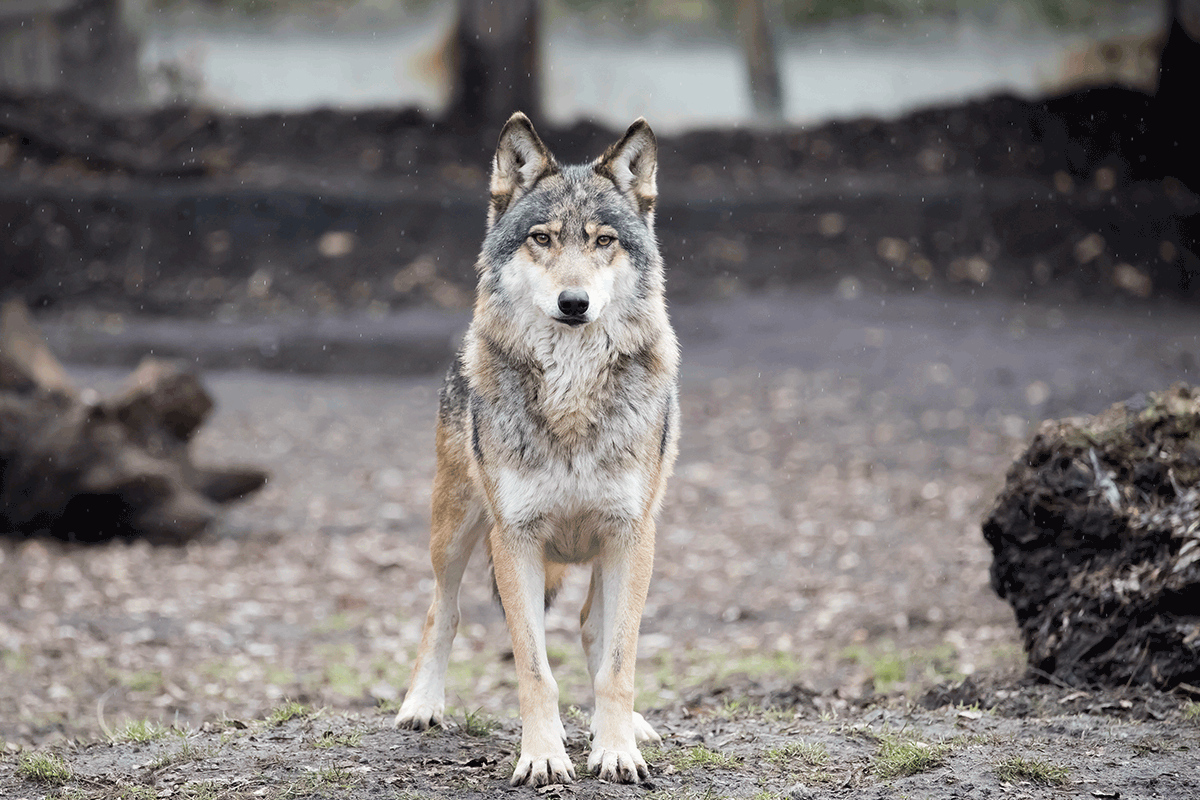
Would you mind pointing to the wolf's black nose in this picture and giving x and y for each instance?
(573, 302)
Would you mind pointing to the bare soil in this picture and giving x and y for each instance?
(821, 586)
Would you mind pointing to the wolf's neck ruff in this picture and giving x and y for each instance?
(570, 378)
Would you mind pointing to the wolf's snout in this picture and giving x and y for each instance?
(573, 302)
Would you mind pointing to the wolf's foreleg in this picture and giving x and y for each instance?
(521, 580)
(456, 529)
(591, 623)
(625, 566)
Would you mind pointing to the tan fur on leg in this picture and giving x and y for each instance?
(521, 580)
(457, 527)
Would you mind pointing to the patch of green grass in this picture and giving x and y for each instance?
(733, 708)
(288, 711)
(140, 731)
(578, 716)
(71, 793)
(44, 768)
(811, 754)
(140, 793)
(323, 781)
(186, 753)
(776, 714)
(701, 756)
(1033, 770)
(330, 739)
(1191, 712)
(145, 681)
(898, 758)
(204, 790)
(476, 723)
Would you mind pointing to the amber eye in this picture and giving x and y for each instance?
(541, 238)
(604, 241)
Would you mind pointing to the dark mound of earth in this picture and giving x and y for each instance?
(1096, 544)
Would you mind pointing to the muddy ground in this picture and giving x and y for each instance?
(820, 573)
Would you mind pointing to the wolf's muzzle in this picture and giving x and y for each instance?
(573, 303)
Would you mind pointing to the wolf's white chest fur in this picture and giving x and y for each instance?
(574, 490)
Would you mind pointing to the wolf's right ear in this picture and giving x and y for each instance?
(521, 161)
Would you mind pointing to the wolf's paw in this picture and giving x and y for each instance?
(420, 714)
(543, 770)
(643, 731)
(619, 766)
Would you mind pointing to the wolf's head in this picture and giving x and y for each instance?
(574, 244)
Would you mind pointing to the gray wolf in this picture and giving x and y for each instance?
(557, 430)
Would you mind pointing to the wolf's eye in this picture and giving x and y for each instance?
(604, 241)
(541, 238)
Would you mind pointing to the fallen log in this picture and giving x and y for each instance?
(84, 468)
(1096, 544)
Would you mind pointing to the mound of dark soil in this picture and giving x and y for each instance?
(1096, 544)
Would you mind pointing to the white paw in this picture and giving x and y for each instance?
(643, 731)
(419, 713)
(618, 766)
(543, 770)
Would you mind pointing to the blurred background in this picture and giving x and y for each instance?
(898, 235)
(244, 157)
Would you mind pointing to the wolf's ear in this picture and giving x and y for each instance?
(521, 161)
(632, 165)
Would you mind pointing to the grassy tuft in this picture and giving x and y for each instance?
(44, 768)
(1042, 773)
(140, 731)
(330, 739)
(701, 756)
(476, 723)
(898, 758)
(812, 754)
(186, 753)
(288, 711)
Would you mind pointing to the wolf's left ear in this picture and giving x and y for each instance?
(632, 165)
(521, 161)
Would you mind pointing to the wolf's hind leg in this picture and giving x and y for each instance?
(457, 527)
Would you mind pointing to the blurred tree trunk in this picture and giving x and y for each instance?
(1178, 90)
(99, 54)
(496, 63)
(80, 47)
(762, 63)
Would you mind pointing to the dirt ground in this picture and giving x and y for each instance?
(820, 580)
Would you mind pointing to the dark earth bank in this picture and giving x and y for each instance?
(184, 211)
